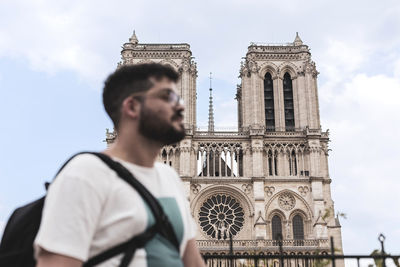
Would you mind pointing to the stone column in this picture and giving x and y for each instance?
(296, 102)
(316, 101)
(302, 101)
(246, 98)
(188, 91)
(279, 105)
(257, 148)
(185, 156)
(260, 227)
(285, 163)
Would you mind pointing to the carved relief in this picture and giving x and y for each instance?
(303, 190)
(286, 201)
(247, 188)
(252, 66)
(309, 67)
(185, 65)
(195, 188)
(269, 190)
(243, 69)
(193, 68)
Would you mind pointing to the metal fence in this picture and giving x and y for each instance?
(288, 259)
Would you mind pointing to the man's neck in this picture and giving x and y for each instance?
(137, 150)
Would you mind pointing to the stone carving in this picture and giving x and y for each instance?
(185, 65)
(243, 69)
(220, 216)
(248, 67)
(252, 66)
(195, 188)
(309, 67)
(269, 190)
(303, 190)
(286, 201)
(247, 188)
(260, 220)
(287, 226)
(193, 68)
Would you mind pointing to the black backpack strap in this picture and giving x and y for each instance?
(162, 225)
(128, 247)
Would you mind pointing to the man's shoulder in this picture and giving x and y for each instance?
(85, 166)
(166, 170)
(86, 161)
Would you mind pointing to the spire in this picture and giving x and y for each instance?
(297, 40)
(133, 39)
(211, 111)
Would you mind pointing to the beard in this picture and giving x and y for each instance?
(160, 130)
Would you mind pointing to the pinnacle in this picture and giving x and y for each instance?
(297, 40)
(134, 39)
(211, 110)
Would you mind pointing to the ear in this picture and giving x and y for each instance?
(130, 107)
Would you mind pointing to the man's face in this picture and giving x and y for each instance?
(161, 115)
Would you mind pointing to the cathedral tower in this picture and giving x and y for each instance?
(179, 57)
(270, 178)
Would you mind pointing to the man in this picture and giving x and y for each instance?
(89, 209)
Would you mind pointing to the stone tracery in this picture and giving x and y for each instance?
(220, 216)
(219, 159)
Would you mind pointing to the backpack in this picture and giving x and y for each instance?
(16, 247)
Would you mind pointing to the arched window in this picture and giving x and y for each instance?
(276, 227)
(269, 102)
(270, 159)
(288, 102)
(298, 228)
(292, 163)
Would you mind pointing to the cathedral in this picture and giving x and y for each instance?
(268, 180)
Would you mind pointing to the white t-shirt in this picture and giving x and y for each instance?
(89, 209)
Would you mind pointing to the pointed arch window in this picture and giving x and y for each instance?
(269, 102)
(270, 166)
(276, 227)
(292, 158)
(298, 227)
(288, 102)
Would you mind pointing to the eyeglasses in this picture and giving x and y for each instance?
(167, 95)
(170, 96)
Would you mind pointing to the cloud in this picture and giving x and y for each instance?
(363, 116)
(53, 36)
(226, 115)
(396, 69)
(2, 226)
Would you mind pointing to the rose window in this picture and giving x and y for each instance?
(286, 201)
(220, 216)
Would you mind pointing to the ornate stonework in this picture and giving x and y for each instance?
(220, 216)
(269, 190)
(286, 201)
(273, 167)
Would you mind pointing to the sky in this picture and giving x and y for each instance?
(55, 56)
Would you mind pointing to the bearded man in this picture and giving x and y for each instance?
(89, 209)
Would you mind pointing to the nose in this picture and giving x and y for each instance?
(180, 107)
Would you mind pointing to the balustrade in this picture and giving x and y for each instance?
(251, 244)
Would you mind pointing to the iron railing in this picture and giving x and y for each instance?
(290, 259)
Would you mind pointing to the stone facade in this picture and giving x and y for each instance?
(271, 176)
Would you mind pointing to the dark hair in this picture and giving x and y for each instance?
(132, 79)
